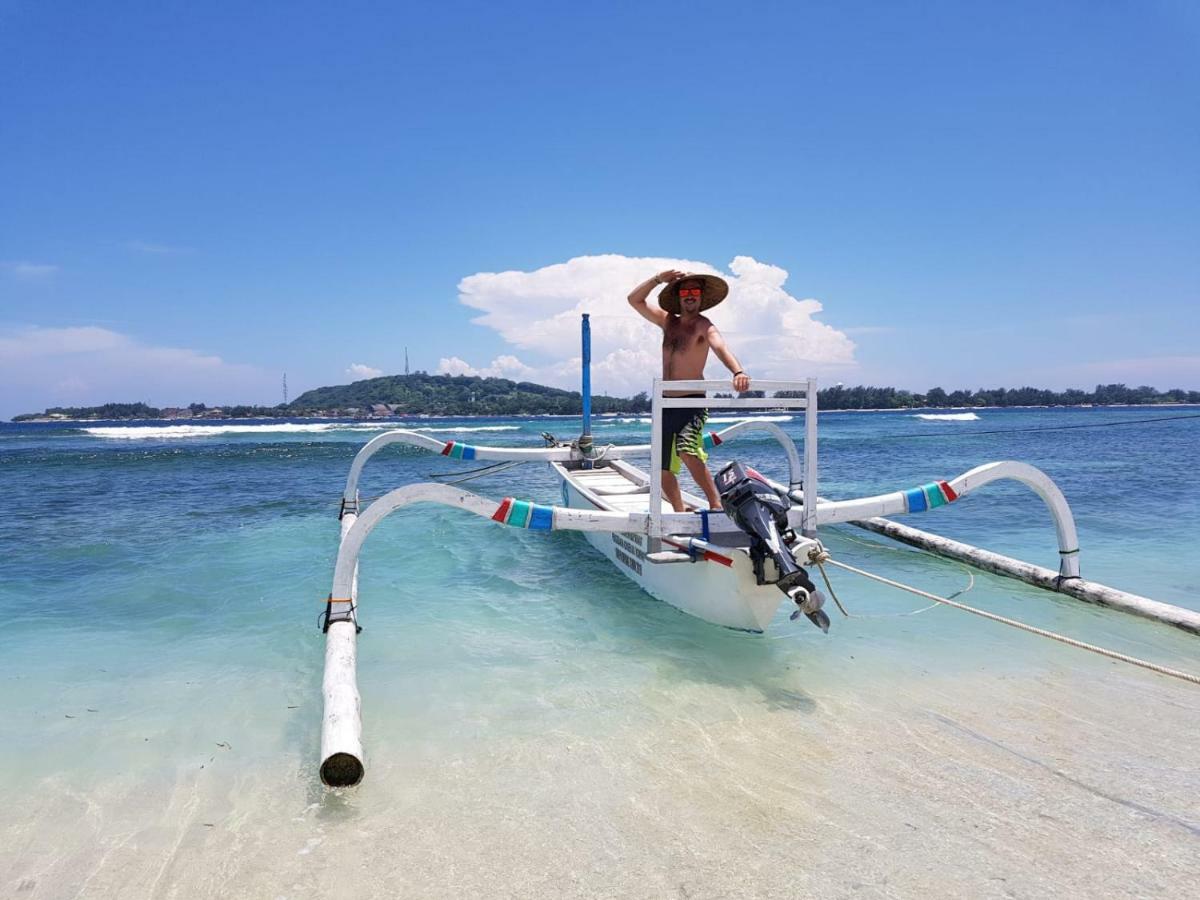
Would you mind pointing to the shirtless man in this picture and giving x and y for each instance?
(687, 338)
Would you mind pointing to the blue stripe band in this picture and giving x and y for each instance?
(915, 500)
(542, 518)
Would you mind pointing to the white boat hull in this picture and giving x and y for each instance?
(721, 591)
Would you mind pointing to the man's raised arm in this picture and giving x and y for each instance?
(637, 297)
(741, 381)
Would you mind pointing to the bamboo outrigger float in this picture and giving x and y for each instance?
(732, 570)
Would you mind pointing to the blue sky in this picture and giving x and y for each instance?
(199, 197)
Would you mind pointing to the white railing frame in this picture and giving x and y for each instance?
(659, 402)
(809, 528)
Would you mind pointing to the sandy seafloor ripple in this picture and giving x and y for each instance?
(1033, 789)
(535, 726)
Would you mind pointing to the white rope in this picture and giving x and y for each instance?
(823, 556)
(1062, 639)
(912, 612)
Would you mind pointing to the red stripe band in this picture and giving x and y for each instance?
(708, 556)
(501, 512)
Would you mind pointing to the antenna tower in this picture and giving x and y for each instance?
(405, 360)
(285, 388)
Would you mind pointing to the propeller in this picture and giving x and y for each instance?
(809, 603)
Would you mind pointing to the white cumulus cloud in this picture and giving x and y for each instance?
(88, 365)
(501, 367)
(358, 371)
(773, 334)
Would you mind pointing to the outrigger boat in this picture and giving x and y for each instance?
(731, 568)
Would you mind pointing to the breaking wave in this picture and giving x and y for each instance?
(150, 432)
(947, 417)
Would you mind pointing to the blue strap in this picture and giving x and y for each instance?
(704, 524)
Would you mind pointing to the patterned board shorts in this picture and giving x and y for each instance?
(683, 432)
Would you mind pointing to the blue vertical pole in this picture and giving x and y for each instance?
(587, 375)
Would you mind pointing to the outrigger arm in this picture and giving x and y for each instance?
(919, 499)
(939, 493)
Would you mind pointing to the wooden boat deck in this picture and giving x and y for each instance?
(616, 488)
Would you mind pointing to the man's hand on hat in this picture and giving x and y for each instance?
(668, 276)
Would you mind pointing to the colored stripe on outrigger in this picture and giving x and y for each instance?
(929, 496)
(712, 439)
(706, 555)
(455, 450)
(523, 514)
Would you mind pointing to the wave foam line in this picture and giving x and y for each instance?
(947, 417)
(130, 432)
(150, 432)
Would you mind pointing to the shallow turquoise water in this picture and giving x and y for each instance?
(160, 596)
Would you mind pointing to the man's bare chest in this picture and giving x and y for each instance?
(684, 338)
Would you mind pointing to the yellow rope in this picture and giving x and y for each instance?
(1062, 639)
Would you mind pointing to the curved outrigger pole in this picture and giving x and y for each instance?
(828, 512)
(939, 493)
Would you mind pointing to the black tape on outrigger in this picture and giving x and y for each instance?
(1059, 579)
(328, 617)
(348, 506)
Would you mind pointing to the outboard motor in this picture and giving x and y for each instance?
(761, 512)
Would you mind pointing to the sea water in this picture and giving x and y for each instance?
(535, 725)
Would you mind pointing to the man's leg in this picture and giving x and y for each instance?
(703, 477)
(670, 489)
(672, 422)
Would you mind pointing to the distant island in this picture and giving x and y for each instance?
(462, 395)
(390, 395)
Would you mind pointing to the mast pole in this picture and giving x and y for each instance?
(585, 439)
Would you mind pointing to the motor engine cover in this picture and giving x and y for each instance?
(762, 513)
(740, 486)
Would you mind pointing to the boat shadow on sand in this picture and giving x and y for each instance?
(612, 615)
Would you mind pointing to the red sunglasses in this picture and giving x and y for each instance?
(690, 292)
